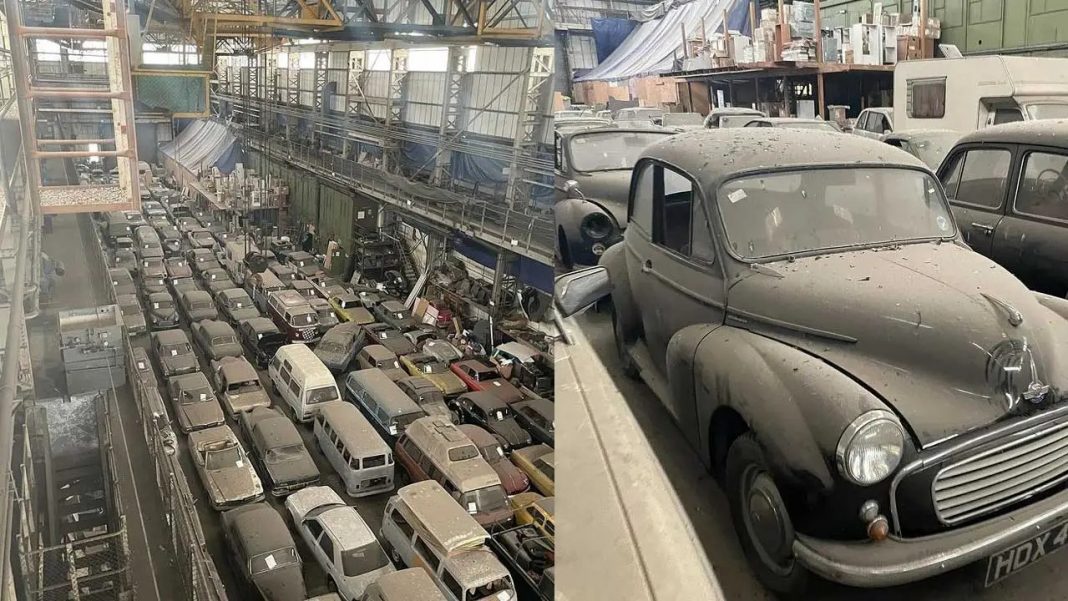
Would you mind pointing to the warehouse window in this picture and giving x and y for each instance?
(927, 98)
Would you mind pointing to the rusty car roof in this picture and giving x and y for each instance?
(1046, 132)
(714, 155)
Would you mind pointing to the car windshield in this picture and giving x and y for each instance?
(611, 150)
(247, 386)
(175, 350)
(222, 458)
(284, 454)
(265, 562)
(201, 304)
(304, 319)
(195, 395)
(362, 560)
(1047, 111)
(347, 304)
(784, 213)
(463, 453)
(500, 585)
(330, 346)
(484, 499)
(223, 340)
(321, 395)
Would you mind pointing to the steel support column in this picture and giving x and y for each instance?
(398, 72)
(530, 121)
(320, 69)
(451, 103)
(355, 99)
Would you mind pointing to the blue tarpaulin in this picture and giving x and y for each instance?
(526, 270)
(608, 34)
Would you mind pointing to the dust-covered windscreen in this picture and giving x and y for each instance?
(611, 150)
(792, 212)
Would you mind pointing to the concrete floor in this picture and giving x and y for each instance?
(148, 532)
(1046, 580)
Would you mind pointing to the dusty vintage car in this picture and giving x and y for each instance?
(592, 179)
(177, 267)
(277, 447)
(179, 285)
(442, 350)
(171, 239)
(217, 280)
(395, 314)
(223, 467)
(349, 308)
(538, 462)
(679, 122)
(283, 272)
(200, 237)
(376, 355)
(481, 377)
(928, 145)
(195, 405)
(216, 339)
(489, 411)
(730, 116)
(512, 478)
(238, 384)
(201, 260)
(339, 539)
(153, 274)
(122, 282)
(196, 305)
(327, 317)
(427, 396)
(389, 337)
(133, 317)
(264, 551)
(1008, 189)
(123, 258)
(161, 310)
(236, 305)
(439, 374)
(896, 418)
(261, 338)
(794, 123)
(304, 263)
(536, 416)
(339, 346)
(173, 352)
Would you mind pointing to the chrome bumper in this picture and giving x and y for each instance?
(897, 560)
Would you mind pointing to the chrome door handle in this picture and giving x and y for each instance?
(647, 266)
(987, 229)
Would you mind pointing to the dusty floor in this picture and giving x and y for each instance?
(707, 507)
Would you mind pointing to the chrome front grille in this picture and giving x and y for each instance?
(1008, 473)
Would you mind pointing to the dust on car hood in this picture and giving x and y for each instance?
(933, 329)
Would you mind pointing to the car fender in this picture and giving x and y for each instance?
(796, 404)
(1057, 305)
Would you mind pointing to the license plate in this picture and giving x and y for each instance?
(1010, 561)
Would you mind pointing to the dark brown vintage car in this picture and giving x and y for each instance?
(880, 403)
(1008, 186)
(264, 550)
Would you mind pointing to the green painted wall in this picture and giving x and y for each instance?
(973, 25)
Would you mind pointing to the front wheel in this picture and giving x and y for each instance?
(760, 519)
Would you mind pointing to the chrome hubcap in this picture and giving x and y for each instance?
(766, 521)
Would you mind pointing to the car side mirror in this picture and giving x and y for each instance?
(577, 290)
(571, 188)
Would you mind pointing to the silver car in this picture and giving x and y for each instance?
(173, 352)
(216, 339)
(236, 381)
(197, 305)
(236, 305)
(224, 469)
(339, 345)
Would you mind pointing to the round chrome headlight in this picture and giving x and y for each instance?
(870, 447)
(597, 226)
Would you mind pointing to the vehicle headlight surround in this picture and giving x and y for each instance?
(870, 447)
(597, 226)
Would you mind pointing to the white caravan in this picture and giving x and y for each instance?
(970, 93)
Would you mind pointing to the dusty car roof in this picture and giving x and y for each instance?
(1048, 132)
(543, 406)
(171, 336)
(236, 369)
(477, 567)
(278, 430)
(486, 400)
(261, 325)
(234, 292)
(714, 155)
(262, 528)
(441, 516)
(477, 434)
(347, 525)
(214, 327)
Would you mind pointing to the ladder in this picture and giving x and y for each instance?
(117, 91)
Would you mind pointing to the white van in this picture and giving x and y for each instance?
(424, 526)
(359, 455)
(970, 93)
(302, 380)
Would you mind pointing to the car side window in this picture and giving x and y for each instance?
(402, 524)
(641, 205)
(453, 586)
(864, 120)
(327, 545)
(679, 220)
(1043, 189)
(314, 528)
(984, 177)
(877, 123)
(431, 560)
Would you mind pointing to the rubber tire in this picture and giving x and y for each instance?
(745, 452)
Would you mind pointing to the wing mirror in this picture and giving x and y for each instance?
(577, 290)
(571, 188)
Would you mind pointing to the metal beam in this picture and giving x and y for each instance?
(530, 122)
(452, 101)
(398, 72)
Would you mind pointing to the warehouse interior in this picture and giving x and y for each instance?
(388, 160)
